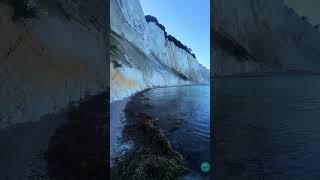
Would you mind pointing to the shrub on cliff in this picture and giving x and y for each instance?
(178, 43)
(171, 38)
(114, 51)
(305, 18)
(181, 45)
(150, 18)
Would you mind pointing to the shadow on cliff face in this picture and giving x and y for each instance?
(79, 149)
(21, 9)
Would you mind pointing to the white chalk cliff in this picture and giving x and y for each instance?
(50, 59)
(254, 36)
(143, 57)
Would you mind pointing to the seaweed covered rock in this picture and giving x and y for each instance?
(153, 156)
(78, 149)
(153, 166)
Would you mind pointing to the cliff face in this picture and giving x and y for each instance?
(143, 57)
(50, 59)
(254, 36)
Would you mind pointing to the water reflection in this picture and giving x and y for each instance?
(184, 114)
(267, 128)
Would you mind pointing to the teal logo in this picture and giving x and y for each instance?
(205, 167)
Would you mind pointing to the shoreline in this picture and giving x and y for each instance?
(78, 148)
(118, 120)
(23, 147)
(154, 87)
(54, 148)
(117, 123)
(151, 149)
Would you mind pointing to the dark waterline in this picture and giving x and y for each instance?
(184, 113)
(267, 128)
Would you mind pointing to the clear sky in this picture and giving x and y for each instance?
(187, 20)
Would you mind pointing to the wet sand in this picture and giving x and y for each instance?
(23, 146)
(79, 149)
(69, 145)
(117, 123)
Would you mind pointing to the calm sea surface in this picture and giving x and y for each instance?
(184, 113)
(266, 128)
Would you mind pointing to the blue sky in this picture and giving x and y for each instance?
(188, 21)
